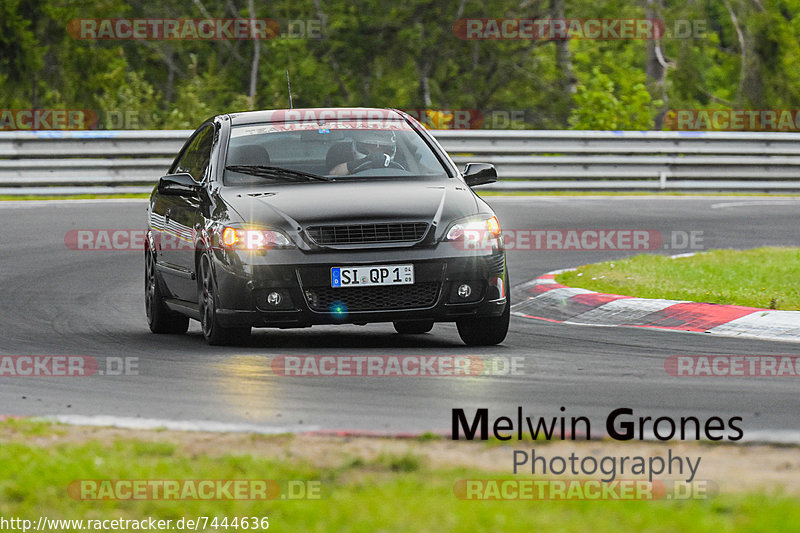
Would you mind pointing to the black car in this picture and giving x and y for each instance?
(290, 218)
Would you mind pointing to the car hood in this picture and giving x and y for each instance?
(307, 204)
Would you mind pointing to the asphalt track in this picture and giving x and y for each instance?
(67, 302)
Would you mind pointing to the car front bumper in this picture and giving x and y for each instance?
(245, 279)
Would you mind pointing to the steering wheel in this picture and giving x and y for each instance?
(371, 161)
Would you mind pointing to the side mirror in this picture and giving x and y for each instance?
(182, 184)
(479, 174)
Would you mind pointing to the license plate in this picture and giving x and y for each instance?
(368, 276)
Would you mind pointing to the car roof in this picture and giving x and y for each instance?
(314, 114)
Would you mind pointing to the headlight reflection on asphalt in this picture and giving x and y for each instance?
(242, 381)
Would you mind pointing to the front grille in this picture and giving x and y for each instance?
(418, 295)
(368, 233)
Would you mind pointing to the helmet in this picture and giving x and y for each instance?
(371, 142)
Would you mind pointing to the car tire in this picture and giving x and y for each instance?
(159, 317)
(486, 331)
(213, 332)
(413, 327)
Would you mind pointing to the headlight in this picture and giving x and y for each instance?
(475, 229)
(253, 239)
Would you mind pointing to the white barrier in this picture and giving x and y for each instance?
(60, 162)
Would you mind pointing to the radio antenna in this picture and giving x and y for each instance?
(289, 86)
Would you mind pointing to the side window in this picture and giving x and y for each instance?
(197, 156)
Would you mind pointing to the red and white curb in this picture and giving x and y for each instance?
(553, 302)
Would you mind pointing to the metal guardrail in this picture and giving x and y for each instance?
(55, 162)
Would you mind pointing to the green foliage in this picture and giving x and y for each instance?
(392, 493)
(602, 105)
(406, 55)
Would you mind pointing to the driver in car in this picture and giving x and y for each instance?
(376, 149)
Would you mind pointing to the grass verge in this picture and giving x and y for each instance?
(393, 492)
(767, 277)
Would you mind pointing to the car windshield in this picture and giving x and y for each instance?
(337, 149)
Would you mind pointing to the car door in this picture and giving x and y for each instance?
(183, 216)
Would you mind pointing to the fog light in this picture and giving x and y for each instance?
(464, 291)
(274, 298)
